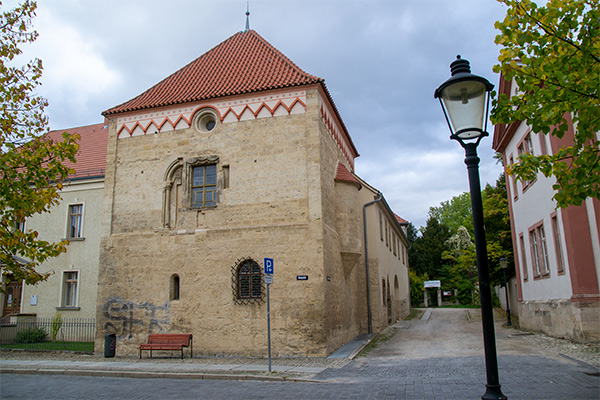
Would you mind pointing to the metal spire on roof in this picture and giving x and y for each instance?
(247, 16)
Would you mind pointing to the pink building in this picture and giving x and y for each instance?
(557, 251)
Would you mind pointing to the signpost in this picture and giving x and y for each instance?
(268, 262)
(269, 266)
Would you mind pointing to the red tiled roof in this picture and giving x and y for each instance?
(400, 220)
(342, 174)
(244, 63)
(91, 156)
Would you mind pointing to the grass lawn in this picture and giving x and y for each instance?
(87, 347)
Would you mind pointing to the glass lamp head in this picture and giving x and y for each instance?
(465, 101)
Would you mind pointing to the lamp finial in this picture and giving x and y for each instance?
(460, 65)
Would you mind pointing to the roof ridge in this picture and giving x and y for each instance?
(223, 71)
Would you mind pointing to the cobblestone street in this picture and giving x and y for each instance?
(437, 357)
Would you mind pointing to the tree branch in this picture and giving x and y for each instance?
(552, 32)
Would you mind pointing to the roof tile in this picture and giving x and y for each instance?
(400, 220)
(244, 63)
(343, 174)
(91, 156)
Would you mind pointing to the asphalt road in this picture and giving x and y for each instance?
(437, 358)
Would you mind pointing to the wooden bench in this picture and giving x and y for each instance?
(168, 341)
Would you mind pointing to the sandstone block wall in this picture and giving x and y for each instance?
(276, 198)
(579, 321)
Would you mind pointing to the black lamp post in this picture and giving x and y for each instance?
(465, 100)
(504, 265)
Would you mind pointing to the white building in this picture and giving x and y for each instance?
(557, 251)
(72, 288)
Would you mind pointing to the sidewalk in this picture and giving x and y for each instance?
(183, 370)
(63, 363)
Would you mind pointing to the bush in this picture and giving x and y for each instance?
(465, 292)
(31, 335)
(416, 287)
(56, 325)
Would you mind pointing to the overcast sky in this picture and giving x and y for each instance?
(381, 60)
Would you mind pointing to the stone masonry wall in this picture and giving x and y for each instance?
(270, 206)
(579, 321)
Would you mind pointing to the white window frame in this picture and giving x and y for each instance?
(539, 251)
(62, 303)
(81, 222)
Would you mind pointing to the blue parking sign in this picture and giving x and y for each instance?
(268, 265)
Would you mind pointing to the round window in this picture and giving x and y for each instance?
(206, 121)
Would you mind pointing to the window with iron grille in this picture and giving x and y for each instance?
(247, 281)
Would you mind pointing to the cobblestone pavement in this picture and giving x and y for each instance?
(522, 377)
(410, 362)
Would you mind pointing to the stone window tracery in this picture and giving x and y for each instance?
(193, 183)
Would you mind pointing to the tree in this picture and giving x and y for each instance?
(553, 53)
(497, 229)
(425, 253)
(460, 271)
(445, 248)
(455, 212)
(31, 165)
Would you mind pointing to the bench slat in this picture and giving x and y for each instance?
(167, 341)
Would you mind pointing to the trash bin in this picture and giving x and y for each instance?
(110, 345)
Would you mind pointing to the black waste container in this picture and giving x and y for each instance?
(110, 345)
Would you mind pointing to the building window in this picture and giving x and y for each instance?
(70, 288)
(526, 147)
(20, 226)
(523, 258)
(380, 226)
(174, 287)
(543, 146)
(513, 180)
(560, 264)
(539, 251)
(387, 234)
(204, 185)
(205, 120)
(529, 144)
(247, 281)
(75, 218)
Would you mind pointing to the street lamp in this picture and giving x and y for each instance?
(465, 100)
(504, 265)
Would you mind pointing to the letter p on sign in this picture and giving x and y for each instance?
(268, 265)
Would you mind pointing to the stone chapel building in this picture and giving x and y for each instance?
(238, 156)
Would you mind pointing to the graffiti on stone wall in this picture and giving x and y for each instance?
(125, 316)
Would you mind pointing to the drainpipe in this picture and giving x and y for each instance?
(370, 316)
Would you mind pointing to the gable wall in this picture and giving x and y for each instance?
(272, 208)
